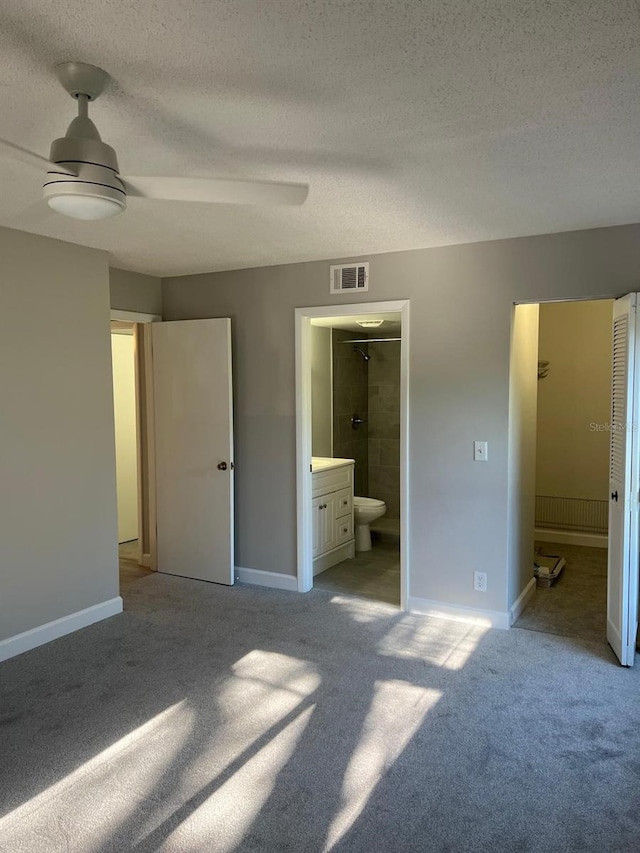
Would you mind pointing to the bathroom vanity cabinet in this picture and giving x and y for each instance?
(332, 508)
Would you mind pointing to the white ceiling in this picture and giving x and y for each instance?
(416, 122)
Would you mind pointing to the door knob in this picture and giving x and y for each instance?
(222, 466)
(614, 496)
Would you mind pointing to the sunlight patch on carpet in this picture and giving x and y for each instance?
(261, 713)
(396, 712)
(365, 611)
(440, 642)
(92, 794)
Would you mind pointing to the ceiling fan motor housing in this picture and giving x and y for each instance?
(86, 167)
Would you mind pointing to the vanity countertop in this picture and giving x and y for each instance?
(325, 463)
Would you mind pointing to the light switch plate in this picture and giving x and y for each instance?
(480, 451)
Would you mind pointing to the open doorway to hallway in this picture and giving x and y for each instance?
(134, 445)
(570, 408)
(127, 439)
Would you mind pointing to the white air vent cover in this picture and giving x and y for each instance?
(349, 277)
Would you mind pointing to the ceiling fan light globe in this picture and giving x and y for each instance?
(87, 207)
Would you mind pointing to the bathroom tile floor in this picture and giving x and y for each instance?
(386, 527)
(371, 574)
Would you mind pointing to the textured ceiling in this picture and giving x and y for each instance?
(415, 123)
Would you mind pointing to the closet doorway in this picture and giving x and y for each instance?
(574, 458)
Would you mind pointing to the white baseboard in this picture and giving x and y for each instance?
(471, 615)
(146, 561)
(258, 577)
(567, 537)
(35, 637)
(523, 599)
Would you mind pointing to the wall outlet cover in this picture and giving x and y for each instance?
(480, 581)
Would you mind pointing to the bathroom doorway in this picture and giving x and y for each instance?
(352, 425)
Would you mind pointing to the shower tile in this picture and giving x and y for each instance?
(384, 480)
(359, 399)
(385, 372)
(341, 399)
(345, 429)
(393, 505)
(388, 398)
(350, 371)
(388, 452)
(360, 481)
(384, 425)
(374, 451)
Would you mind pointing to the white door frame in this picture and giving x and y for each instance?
(303, 317)
(135, 317)
(146, 440)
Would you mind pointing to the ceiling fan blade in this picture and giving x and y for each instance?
(28, 157)
(32, 159)
(217, 190)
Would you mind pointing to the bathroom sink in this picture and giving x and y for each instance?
(325, 463)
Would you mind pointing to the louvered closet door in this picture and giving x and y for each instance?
(622, 577)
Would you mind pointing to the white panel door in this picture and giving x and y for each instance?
(624, 481)
(194, 448)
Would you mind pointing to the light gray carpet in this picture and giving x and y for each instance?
(576, 604)
(212, 719)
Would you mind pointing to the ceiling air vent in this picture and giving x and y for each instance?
(349, 278)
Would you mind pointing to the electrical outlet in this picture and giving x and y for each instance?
(480, 581)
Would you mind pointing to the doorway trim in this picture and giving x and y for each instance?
(303, 317)
(135, 317)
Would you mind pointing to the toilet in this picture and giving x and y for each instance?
(366, 510)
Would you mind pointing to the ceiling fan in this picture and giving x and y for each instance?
(83, 179)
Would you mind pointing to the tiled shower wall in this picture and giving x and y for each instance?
(372, 391)
(384, 424)
(350, 396)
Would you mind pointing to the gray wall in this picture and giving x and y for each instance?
(461, 308)
(350, 396)
(321, 392)
(133, 291)
(572, 459)
(384, 425)
(58, 529)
